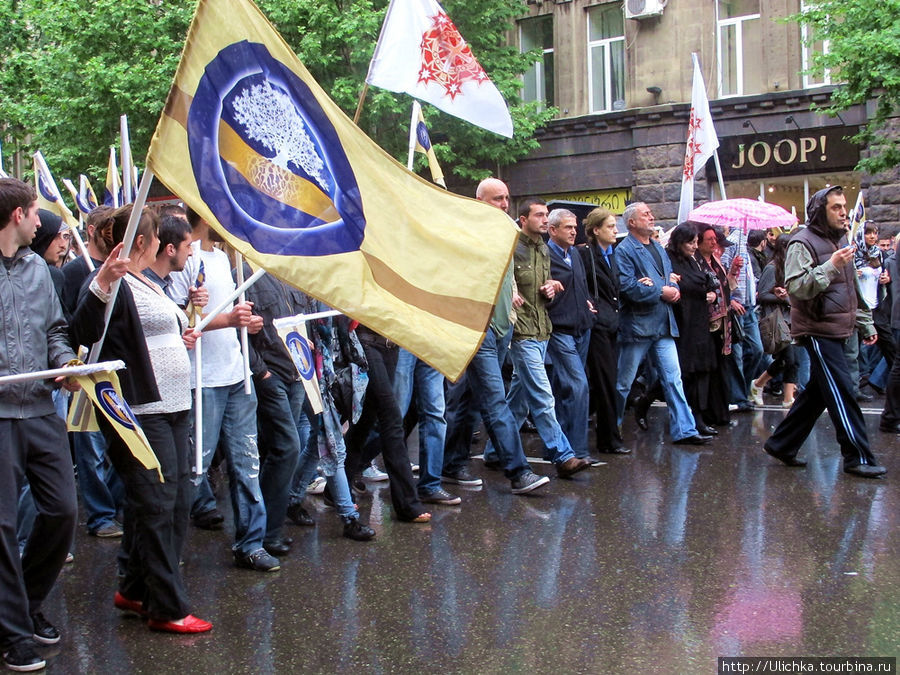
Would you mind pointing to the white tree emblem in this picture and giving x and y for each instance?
(268, 116)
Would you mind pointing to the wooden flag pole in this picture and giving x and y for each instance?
(359, 105)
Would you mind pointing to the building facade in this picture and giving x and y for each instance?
(620, 74)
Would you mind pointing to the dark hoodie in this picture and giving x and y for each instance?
(817, 218)
(51, 224)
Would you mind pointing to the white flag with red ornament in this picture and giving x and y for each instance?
(702, 141)
(420, 52)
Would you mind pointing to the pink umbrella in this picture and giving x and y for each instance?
(743, 215)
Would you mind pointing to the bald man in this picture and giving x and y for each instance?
(482, 385)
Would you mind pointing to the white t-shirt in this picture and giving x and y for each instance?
(868, 284)
(221, 349)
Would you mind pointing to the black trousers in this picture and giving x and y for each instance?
(35, 448)
(381, 406)
(891, 414)
(602, 364)
(156, 514)
(829, 387)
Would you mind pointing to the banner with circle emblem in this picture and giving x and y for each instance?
(250, 141)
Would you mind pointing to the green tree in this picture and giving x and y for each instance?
(70, 69)
(863, 55)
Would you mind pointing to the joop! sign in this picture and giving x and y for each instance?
(808, 151)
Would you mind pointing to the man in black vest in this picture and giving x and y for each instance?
(825, 309)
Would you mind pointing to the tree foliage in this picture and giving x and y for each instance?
(70, 69)
(863, 55)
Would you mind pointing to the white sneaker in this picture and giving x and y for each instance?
(787, 404)
(317, 487)
(756, 394)
(373, 473)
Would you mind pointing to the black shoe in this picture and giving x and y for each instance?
(355, 530)
(277, 548)
(439, 496)
(22, 658)
(890, 428)
(790, 461)
(641, 408)
(210, 520)
(528, 427)
(44, 631)
(707, 431)
(461, 477)
(259, 561)
(493, 464)
(694, 440)
(863, 470)
(617, 450)
(299, 515)
(863, 397)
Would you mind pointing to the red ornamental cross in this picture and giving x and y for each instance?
(447, 59)
(694, 147)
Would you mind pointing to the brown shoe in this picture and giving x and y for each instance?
(571, 466)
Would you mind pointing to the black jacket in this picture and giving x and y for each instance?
(603, 285)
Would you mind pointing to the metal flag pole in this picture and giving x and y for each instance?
(245, 342)
(413, 123)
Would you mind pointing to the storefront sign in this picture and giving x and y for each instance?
(614, 200)
(787, 153)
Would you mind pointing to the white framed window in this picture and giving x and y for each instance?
(739, 47)
(606, 58)
(537, 33)
(809, 46)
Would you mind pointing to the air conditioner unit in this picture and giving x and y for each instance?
(641, 9)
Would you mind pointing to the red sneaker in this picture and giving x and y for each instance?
(130, 606)
(190, 624)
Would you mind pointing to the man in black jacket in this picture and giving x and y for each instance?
(572, 316)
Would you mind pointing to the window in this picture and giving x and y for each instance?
(606, 58)
(739, 47)
(809, 46)
(537, 33)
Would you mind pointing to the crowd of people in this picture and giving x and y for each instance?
(578, 333)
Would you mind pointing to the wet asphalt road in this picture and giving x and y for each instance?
(657, 562)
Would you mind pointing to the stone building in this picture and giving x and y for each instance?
(620, 75)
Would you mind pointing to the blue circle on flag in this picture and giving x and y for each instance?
(268, 161)
(301, 354)
(114, 406)
(44, 189)
(422, 136)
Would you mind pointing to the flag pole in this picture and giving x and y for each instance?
(225, 304)
(82, 247)
(719, 174)
(413, 123)
(198, 408)
(245, 346)
(359, 105)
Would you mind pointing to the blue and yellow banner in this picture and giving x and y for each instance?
(303, 354)
(105, 393)
(250, 141)
(112, 191)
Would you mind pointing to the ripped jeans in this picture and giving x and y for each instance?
(229, 422)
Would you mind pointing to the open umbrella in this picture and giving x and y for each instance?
(743, 214)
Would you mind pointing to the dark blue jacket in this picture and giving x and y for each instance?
(643, 315)
(569, 312)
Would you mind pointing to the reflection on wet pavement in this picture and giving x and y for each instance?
(656, 562)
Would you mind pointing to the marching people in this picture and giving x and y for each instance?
(825, 306)
(150, 334)
(32, 436)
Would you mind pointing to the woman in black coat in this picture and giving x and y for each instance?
(696, 349)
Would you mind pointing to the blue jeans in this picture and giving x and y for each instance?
(530, 391)
(101, 489)
(665, 357)
(429, 388)
(482, 384)
(745, 359)
(280, 403)
(568, 354)
(229, 421)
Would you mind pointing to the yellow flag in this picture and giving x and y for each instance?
(81, 415)
(105, 393)
(48, 195)
(423, 145)
(302, 352)
(252, 143)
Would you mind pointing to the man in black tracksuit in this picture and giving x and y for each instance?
(825, 306)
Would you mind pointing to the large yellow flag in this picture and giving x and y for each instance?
(252, 143)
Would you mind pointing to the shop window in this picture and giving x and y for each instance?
(606, 58)
(739, 47)
(810, 46)
(792, 192)
(537, 33)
